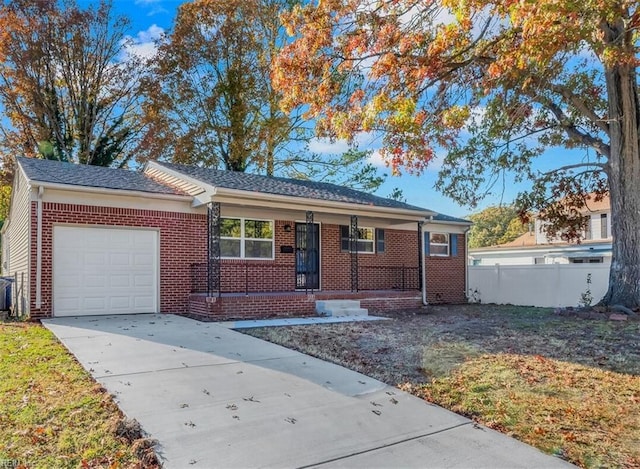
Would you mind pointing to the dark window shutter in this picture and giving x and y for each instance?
(453, 239)
(380, 240)
(344, 238)
(427, 237)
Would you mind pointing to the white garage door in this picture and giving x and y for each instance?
(104, 271)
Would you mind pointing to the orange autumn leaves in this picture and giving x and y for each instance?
(407, 69)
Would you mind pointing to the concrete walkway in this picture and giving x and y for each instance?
(214, 397)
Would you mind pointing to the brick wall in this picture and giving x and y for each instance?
(376, 271)
(291, 305)
(446, 276)
(182, 242)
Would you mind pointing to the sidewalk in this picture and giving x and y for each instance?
(214, 397)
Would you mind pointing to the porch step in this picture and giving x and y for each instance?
(340, 308)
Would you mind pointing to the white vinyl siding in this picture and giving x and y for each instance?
(16, 239)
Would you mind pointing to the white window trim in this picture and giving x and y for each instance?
(242, 239)
(447, 244)
(372, 241)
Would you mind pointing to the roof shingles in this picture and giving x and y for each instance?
(287, 187)
(57, 172)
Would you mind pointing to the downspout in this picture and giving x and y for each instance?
(39, 249)
(424, 265)
(466, 263)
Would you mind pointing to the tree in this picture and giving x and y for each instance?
(495, 225)
(210, 98)
(494, 83)
(66, 85)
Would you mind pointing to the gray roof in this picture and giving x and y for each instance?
(58, 172)
(287, 187)
(441, 217)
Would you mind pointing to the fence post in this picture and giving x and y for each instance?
(498, 282)
(558, 286)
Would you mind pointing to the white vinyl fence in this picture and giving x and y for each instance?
(549, 285)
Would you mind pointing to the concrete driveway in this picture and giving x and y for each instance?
(214, 397)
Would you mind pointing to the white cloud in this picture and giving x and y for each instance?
(143, 45)
(375, 158)
(155, 6)
(325, 146)
(362, 141)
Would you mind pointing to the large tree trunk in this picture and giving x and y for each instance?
(623, 171)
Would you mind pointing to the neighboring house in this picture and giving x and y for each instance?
(217, 244)
(534, 247)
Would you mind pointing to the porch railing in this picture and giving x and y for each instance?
(258, 277)
(246, 277)
(388, 278)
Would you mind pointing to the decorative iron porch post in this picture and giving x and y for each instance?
(353, 249)
(309, 253)
(213, 248)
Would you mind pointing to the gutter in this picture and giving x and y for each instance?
(424, 264)
(289, 201)
(104, 190)
(466, 263)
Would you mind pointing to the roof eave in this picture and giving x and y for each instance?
(305, 203)
(443, 222)
(107, 190)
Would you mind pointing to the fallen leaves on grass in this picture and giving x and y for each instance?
(587, 415)
(52, 413)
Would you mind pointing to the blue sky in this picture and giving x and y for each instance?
(150, 18)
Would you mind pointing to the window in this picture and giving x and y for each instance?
(586, 260)
(365, 239)
(604, 231)
(587, 230)
(246, 239)
(439, 244)
(539, 260)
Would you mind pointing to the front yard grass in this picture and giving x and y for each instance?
(567, 385)
(52, 413)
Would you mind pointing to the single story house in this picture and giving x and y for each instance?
(86, 240)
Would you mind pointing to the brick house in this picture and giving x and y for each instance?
(86, 240)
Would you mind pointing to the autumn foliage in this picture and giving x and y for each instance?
(491, 83)
(67, 87)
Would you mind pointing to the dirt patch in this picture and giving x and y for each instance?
(413, 345)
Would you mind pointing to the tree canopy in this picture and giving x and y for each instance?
(494, 83)
(67, 87)
(497, 224)
(210, 99)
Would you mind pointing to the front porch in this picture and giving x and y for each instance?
(327, 256)
(227, 306)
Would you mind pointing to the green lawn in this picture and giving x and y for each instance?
(52, 413)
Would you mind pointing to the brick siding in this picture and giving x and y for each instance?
(446, 276)
(291, 305)
(182, 238)
(182, 242)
